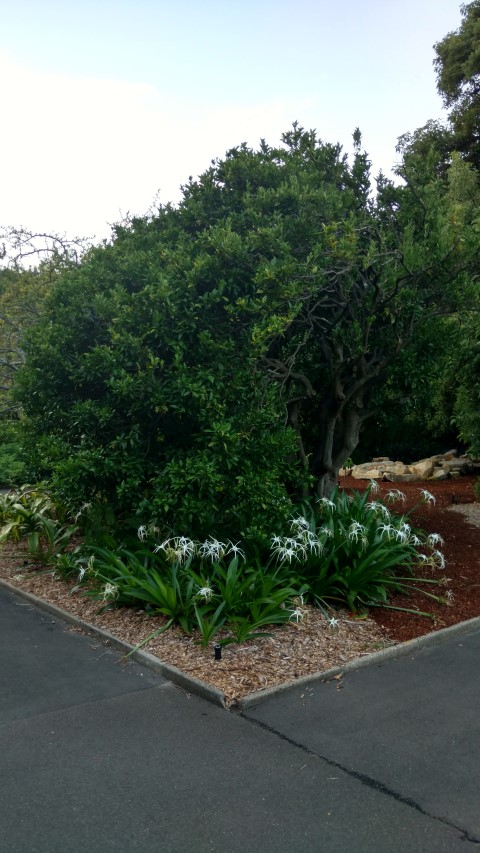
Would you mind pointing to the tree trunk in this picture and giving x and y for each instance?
(339, 438)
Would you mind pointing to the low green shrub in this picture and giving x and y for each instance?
(350, 550)
(30, 514)
(13, 465)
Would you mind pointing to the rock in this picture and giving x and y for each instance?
(423, 469)
(398, 468)
(392, 477)
(375, 471)
(362, 473)
(463, 464)
(383, 468)
(440, 474)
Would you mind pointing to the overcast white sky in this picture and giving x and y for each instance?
(106, 102)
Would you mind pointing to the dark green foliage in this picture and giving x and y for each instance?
(347, 551)
(458, 79)
(30, 514)
(13, 468)
(217, 359)
(351, 550)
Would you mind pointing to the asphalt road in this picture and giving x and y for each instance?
(96, 755)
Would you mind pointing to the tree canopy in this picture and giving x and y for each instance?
(220, 356)
(457, 64)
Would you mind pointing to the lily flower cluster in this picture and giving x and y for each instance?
(179, 549)
(304, 541)
(298, 546)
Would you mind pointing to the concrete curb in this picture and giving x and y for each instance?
(435, 638)
(187, 682)
(217, 697)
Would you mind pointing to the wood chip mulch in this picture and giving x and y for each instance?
(292, 650)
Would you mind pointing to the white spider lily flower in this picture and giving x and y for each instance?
(315, 546)
(356, 531)
(427, 497)
(186, 545)
(327, 532)
(434, 539)
(395, 495)
(327, 503)
(405, 527)
(386, 530)
(81, 511)
(109, 591)
(205, 592)
(306, 536)
(142, 532)
(235, 550)
(213, 550)
(423, 558)
(401, 536)
(438, 559)
(297, 614)
(81, 573)
(287, 554)
(275, 540)
(177, 549)
(300, 523)
(333, 623)
(310, 536)
(374, 487)
(450, 596)
(375, 506)
(414, 540)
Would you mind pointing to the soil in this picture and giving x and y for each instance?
(312, 645)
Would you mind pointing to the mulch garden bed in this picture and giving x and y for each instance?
(453, 516)
(294, 650)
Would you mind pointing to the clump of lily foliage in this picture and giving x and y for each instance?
(350, 550)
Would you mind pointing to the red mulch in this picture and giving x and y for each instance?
(461, 551)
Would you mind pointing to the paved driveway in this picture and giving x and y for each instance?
(98, 756)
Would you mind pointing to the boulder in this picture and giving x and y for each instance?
(383, 468)
(440, 474)
(392, 477)
(398, 468)
(463, 464)
(366, 472)
(423, 469)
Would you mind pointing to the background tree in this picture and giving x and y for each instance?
(439, 386)
(457, 65)
(182, 368)
(30, 262)
(29, 265)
